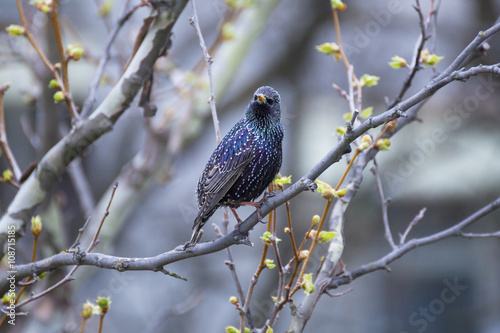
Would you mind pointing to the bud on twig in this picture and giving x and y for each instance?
(311, 234)
(15, 30)
(75, 52)
(269, 263)
(36, 225)
(104, 303)
(303, 254)
(87, 310)
(7, 175)
(59, 97)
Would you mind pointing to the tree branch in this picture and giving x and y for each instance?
(89, 102)
(384, 202)
(102, 120)
(415, 67)
(54, 19)
(454, 231)
(327, 272)
(209, 60)
(4, 143)
(236, 236)
(164, 143)
(69, 276)
(413, 223)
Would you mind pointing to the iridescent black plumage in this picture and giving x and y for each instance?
(245, 161)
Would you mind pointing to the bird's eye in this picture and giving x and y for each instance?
(270, 101)
(255, 97)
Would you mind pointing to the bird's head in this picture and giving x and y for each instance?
(265, 105)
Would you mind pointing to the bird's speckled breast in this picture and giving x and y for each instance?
(261, 171)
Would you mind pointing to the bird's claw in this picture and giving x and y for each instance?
(268, 195)
(188, 247)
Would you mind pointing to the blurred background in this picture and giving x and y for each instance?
(157, 162)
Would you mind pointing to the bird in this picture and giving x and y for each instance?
(245, 161)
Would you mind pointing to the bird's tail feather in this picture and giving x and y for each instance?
(197, 232)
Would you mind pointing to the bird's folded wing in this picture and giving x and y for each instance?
(233, 156)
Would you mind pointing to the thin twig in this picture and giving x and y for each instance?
(101, 321)
(69, 276)
(480, 235)
(209, 60)
(278, 305)
(352, 80)
(32, 41)
(415, 67)
(232, 268)
(323, 217)
(230, 264)
(4, 143)
(384, 203)
(89, 102)
(82, 328)
(54, 19)
(260, 268)
(339, 294)
(61, 81)
(80, 233)
(311, 248)
(292, 237)
(413, 223)
(25, 284)
(280, 301)
(349, 166)
(350, 99)
(106, 213)
(32, 298)
(433, 13)
(29, 280)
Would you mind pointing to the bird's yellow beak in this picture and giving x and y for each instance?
(261, 98)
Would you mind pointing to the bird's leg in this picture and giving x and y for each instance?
(238, 220)
(256, 205)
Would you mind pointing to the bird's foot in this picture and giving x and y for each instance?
(267, 195)
(256, 205)
(188, 247)
(195, 238)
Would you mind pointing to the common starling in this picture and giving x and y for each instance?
(245, 162)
